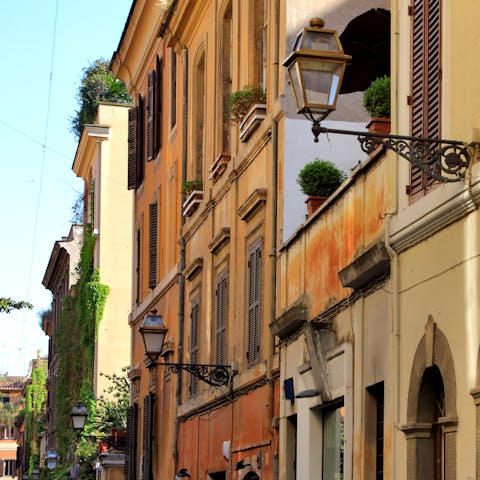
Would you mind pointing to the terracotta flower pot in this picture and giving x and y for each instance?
(313, 203)
(380, 125)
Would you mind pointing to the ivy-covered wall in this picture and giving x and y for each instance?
(75, 341)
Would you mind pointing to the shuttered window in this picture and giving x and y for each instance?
(135, 145)
(426, 81)
(132, 148)
(153, 246)
(221, 300)
(130, 468)
(154, 111)
(150, 114)
(138, 258)
(148, 432)
(194, 334)
(173, 93)
(254, 303)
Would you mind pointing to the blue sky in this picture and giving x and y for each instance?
(39, 187)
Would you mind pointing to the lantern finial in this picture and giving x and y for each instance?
(317, 23)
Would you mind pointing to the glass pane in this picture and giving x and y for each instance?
(320, 41)
(320, 81)
(296, 85)
(333, 443)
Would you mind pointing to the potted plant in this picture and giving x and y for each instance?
(247, 107)
(193, 191)
(318, 180)
(376, 100)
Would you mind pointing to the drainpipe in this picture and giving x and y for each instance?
(394, 269)
(273, 235)
(181, 280)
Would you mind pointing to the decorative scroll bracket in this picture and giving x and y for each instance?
(443, 160)
(215, 375)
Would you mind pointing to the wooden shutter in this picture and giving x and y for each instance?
(130, 468)
(157, 100)
(153, 246)
(426, 81)
(254, 303)
(221, 320)
(132, 148)
(148, 419)
(194, 320)
(140, 167)
(150, 114)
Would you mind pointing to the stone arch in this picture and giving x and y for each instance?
(475, 393)
(433, 371)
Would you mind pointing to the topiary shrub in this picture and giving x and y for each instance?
(320, 177)
(376, 98)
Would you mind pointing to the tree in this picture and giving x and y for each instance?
(98, 85)
(7, 305)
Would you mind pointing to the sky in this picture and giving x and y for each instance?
(45, 45)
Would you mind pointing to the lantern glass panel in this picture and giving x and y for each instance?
(153, 340)
(321, 81)
(323, 41)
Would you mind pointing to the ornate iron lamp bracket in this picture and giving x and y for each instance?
(443, 160)
(215, 375)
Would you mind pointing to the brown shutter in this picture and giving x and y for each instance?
(221, 320)
(130, 468)
(150, 115)
(194, 320)
(148, 419)
(153, 246)
(426, 81)
(140, 164)
(157, 121)
(132, 148)
(254, 303)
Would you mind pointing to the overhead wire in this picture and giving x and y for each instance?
(42, 166)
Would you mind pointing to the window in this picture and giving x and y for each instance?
(138, 252)
(426, 81)
(130, 467)
(333, 443)
(9, 468)
(291, 448)
(135, 145)
(259, 35)
(254, 303)
(173, 92)
(154, 111)
(374, 408)
(194, 333)
(226, 75)
(221, 310)
(199, 116)
(148, 433)
(153, 246)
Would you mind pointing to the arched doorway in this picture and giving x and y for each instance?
(431, 411)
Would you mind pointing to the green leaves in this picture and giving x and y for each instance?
(376, 98)
(98, 85)
(320, 177)
(7, 305)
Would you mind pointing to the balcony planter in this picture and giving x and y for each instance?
(247, 107)
(219, 166)
(379, 125)
(193, 191)
(252, 120)
(318, 180)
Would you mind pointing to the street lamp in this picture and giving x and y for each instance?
(79, 416)
(51, 459)
(316, 66)
(153, 331)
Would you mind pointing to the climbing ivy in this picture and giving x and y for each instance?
(75, 340)
(35, 400)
